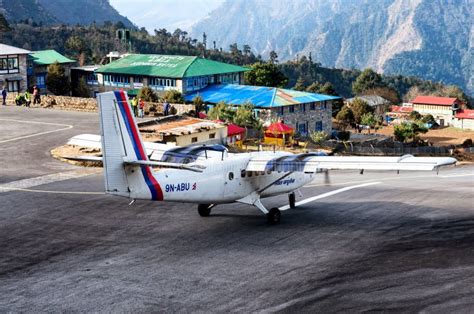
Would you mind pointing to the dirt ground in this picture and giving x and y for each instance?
(439, 137)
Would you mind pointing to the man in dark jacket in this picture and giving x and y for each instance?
(4, 96)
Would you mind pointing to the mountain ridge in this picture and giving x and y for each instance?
(50, 12)
(431, 39)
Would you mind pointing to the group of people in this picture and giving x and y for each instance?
(138, 107)
(23, 99)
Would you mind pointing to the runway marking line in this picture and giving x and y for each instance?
(25, 184)
(64, 127)
(324, 195)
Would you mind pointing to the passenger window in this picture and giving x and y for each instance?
(231, 176)
(242, 173)
(269, 171)
(249, 174)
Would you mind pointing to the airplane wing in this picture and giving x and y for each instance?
(312, 163)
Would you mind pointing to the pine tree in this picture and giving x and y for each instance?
(56, 80)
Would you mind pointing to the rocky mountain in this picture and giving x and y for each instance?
(61, 11)
(432, 39)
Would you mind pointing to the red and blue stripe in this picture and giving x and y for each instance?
(140, 153)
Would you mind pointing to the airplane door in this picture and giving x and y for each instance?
(232, 183)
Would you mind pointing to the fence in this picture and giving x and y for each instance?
(349, 148)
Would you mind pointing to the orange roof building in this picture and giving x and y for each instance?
(443, 109)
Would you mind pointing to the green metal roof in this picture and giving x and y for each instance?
(47, 57)
(168, 66)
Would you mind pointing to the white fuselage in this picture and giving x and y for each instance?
(224, 180)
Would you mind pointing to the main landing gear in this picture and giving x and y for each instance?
(292, 199)
(204, 210)
(273, 216)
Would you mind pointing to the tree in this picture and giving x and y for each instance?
(265, 74)
(221, 111)
(244, 116)
(300, 84)
(4, 26)
(386, 92)
(428, 119)
(81, 89)
(414, 115)
(56, 80)
(409, 130)
(368, 119)
(345, 116)
(328, 89)
(173, 96)
(198, 103)
(318, 137)
(315, 87)
(273, 57)
(147, 94)
(403, 131)
(359, 108)
(368, 79)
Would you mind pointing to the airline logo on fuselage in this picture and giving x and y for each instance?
(287, 181)
(180, 187)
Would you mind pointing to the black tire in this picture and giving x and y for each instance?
(204, 210)
(273, 216)
(292, 200)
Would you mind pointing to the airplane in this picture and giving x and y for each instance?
(208, 175)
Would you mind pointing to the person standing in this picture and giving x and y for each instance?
(141, 108)
(4, 96)
(166, 108)
(135, 106)
(36, 95)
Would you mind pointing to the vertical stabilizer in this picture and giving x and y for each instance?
(121, 141)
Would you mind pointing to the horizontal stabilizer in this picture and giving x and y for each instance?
(162, 164)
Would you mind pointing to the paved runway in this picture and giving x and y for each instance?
(390, 243)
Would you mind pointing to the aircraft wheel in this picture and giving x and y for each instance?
(273, 216)
(292, 200)
(204, 210)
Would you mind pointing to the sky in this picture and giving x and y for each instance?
(169, 14)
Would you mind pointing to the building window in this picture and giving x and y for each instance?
(91, 78)
(9, 65)
(319, 126)
(212, 135)
(302, 107)
(13, 86)
(312, 106)
(40, 80)
(194, 139)
(281, 110)
(291, 109)
(302, 128)
(325, 105)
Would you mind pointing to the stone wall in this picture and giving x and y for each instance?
(90, 104)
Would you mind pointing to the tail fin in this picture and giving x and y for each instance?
(121, 142)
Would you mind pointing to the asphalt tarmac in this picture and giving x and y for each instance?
(402, 243)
